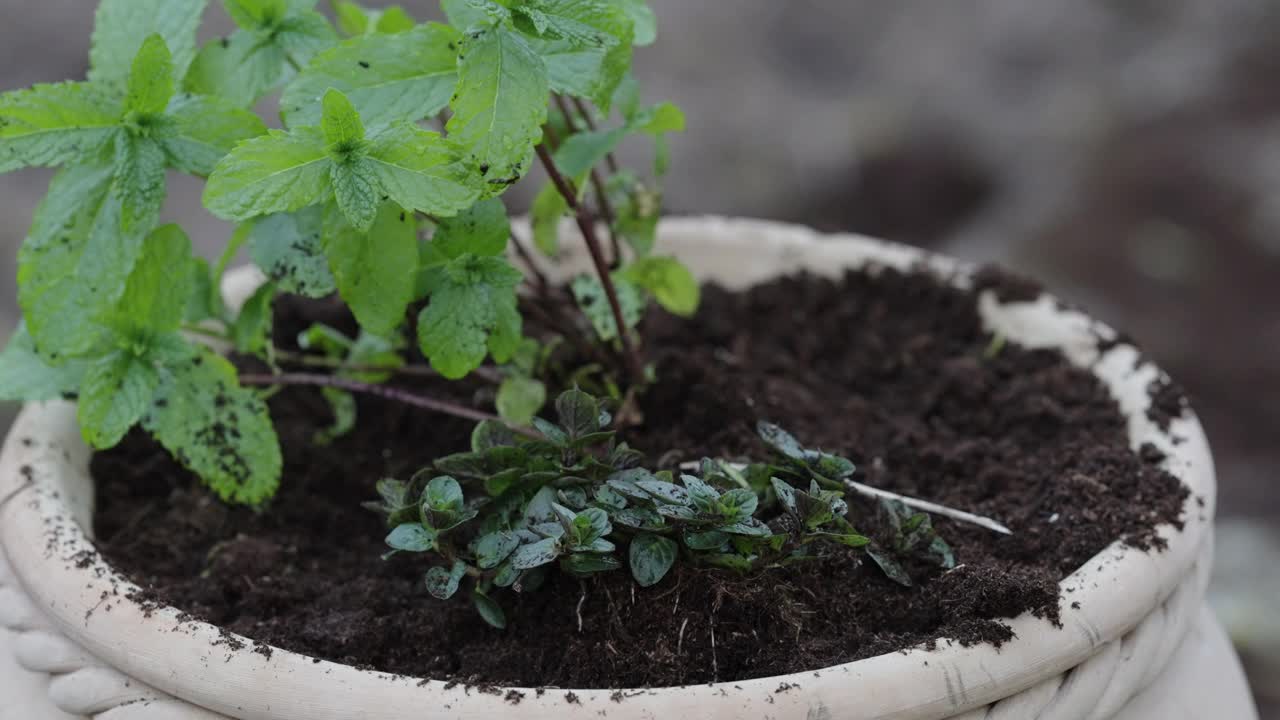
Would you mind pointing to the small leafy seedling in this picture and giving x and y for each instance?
(580, 501)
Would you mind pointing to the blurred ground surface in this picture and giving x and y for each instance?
(1124, 151)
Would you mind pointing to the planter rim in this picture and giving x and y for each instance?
(44, 479)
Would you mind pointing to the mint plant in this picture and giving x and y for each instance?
(382, 183)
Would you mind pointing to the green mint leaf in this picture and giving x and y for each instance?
(408, 76)
(574, 20)
(490, 611)
(342, 405)
(203, 301)
(591, 70)
(305, 35)
(287, 247)
(215, 428)
(661, 118)
(420, 171)
(651, 558)
(151, 78)
(274, 38)
(74, 262)
(549, 209)
(356, 193)
(583, 151)
(395, 19)
(251, 330)
(472, 314)
(277, 172)
(250, 14)
(205, 130)
(443, 584)
(412, 537)
(593, 301)
(375, 270)
(467, 14)
(239, 69)
(48, 125)
(644, 22)
(117, 391)
(26, 377)
(155, 296)
(672, 284)
(341, 123)
(520, 399)
(139, 181)
(484, 229)
(353, 19)
(123, 25)
(500, 104)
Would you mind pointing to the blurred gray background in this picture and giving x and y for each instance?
(1126, 152)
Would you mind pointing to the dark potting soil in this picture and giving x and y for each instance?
(889, 370)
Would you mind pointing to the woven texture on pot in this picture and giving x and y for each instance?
(1134, 607)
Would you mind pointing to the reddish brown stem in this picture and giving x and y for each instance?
(609, 159)
(389, 393)
(586, 224)
(597, 183)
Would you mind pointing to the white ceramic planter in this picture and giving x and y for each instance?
(1137, 647)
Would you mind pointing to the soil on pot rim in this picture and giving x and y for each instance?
(890, 370)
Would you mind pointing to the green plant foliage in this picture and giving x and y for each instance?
(352, 196)
(580, 501)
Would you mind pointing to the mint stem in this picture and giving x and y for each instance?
(586, 224)
(382, 391)
(602, 198)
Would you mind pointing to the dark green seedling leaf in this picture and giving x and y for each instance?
(444, 494)
(781, 441)
(664, 493)
(389, 78)
(442, 583)
(579, 413)
(490, 434)
(639, 519)
(493, 549)
(412, 537)
(670, 282)
(582, 564)
(705, 540)
(490, 610)
(891, 567)
(737, 505)
(651, 558)
(535, 554)
(704, 498)
(729, 561)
